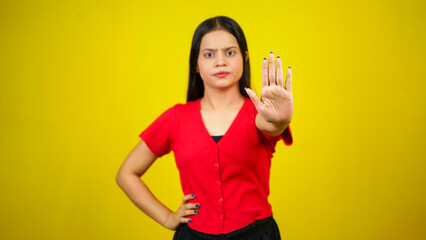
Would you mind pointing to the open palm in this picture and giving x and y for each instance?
(276, 102)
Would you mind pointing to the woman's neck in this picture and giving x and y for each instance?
(222, 100)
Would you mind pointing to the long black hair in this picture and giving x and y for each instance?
(195, 85)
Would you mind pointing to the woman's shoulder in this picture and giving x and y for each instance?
(183, 109)
(177, 111)
(188, 106)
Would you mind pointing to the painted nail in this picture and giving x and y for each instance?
(197, 205)
(189, 220)
(195, 211)
(264, 58)
(278, 56)
(289, 67)
(270, 52)
(193, 195)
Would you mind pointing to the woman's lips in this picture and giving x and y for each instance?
(221, 74)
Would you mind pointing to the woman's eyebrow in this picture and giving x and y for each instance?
(213, 50)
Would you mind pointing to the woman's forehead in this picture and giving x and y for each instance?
(218, 39)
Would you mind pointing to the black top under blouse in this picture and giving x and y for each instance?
(216, 138)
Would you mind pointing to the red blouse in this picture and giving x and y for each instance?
(230, 179)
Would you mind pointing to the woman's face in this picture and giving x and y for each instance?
(220, 61)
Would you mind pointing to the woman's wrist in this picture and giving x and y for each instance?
(270, 128)
(167, 222)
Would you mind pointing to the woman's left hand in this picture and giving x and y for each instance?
(276, 102)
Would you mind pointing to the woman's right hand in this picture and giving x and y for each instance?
(186, 209)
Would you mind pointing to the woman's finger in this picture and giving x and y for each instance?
(264, 79)
(191, 206)
(189, 212)
(254, 98)
(289, 79)
(271, 66)
(280, 76)
(185, 220)
(188, 197)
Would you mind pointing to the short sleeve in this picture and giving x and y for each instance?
(158, 135)
(271, 142)
(286, 136)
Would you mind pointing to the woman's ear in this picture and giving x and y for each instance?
(247, 56)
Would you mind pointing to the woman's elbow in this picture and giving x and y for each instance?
(120, 178)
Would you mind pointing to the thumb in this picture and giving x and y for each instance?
(254, 98)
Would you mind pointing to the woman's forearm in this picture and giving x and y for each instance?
(142, 197)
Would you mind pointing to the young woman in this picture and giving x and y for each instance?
(223, 139)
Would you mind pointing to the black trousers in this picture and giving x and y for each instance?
(263, 229)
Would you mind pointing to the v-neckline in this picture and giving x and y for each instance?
(228, 131)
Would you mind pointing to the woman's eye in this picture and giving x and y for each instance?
(230, 53)
(208, 55)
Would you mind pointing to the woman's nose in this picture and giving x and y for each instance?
(220, 61)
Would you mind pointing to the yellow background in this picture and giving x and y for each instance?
(81, 79)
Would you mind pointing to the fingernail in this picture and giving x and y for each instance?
(189, 220)
(195, 211)
(197, 205)
(278, 56)
(264, 58)
(245, 88)
(289, 67)
(270, 52)
(193, 195)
